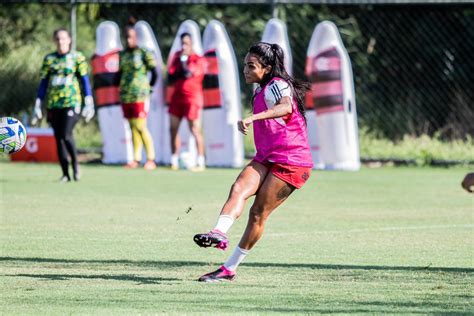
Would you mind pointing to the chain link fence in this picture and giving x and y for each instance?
(413, 65)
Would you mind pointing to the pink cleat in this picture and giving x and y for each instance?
(214, 238)
(221, 274)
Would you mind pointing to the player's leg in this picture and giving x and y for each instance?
(271, 194)
(56, 119)
(127, 110)
(194, 121)
(136, 140)
(145, 136)
(175, 141)
(247, 184)
(70, 120)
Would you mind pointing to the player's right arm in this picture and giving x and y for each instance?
(43, 87)
(175, 70)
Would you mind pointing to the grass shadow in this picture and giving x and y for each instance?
(171, 264)
(120, 277)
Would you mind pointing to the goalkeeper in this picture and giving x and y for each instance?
(60, 90)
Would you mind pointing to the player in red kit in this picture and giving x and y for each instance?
(186, 73)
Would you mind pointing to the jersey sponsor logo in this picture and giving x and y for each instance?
(61, 80)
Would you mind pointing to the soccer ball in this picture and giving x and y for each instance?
(12, 135)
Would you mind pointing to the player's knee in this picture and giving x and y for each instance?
(60, 135)
(174, 130)
(257, 214)
(196, 132)
(237, 189)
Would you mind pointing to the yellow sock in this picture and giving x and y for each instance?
(136, 139)
(146, 138)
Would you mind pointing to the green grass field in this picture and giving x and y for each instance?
(389, 240)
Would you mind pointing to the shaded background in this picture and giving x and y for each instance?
(413, 65)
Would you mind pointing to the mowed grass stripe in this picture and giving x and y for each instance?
(389, 240)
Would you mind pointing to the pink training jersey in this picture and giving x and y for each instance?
(281, 140)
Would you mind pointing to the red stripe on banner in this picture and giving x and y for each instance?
(212, 65)
(107, 96)
(212, 98)
(330, 109)
(327, 88)
(309, 101)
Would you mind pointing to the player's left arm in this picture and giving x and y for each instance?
(279, 103)
(88, 110)
(82, 73)
(281, 108)
(198, 67)
(151, 65)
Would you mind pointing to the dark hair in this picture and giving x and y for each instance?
(272, 55)
(130, 24)
(183, 35)
(61, 29)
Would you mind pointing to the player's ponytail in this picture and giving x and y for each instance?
(272, 55)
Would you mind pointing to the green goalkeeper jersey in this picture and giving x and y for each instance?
(62, 72)
(134, 83)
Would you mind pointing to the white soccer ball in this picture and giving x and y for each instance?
(12, 135)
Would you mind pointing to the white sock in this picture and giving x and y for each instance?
(224, 223)
(236, 258)
(201, 162)
(174, 160)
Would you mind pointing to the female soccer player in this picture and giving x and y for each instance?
(135, 62)
(186, 72)
(283, 160)
(60, 85)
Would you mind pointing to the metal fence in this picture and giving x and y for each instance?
(413, 64)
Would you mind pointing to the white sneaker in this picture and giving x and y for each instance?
(201, 162)
(200, 165)
(174, 162)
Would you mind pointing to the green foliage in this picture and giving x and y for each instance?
(423, 149)
(27, 31)
(409, 81)
(87, 135)
(378, 241)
